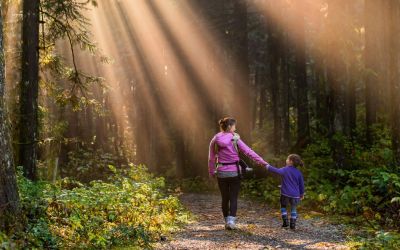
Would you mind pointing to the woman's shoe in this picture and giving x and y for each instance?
(230, 224)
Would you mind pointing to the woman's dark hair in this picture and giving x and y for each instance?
(296, 159)
(226, 122)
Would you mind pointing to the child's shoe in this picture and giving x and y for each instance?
(285, 221)
(292, 223)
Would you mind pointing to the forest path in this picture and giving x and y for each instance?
(259, 227)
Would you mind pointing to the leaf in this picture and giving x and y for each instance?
(395, 199)
(112, 168)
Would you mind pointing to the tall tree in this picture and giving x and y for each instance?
(284, 72)
(335, 96)
(242, 91)
(29, 87)
(274, 85)
(350, 82)
(395, 77)
(371, 65)
(8, 186)
(303, 127)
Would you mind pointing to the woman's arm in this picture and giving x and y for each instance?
(211, 157)
(250, 153)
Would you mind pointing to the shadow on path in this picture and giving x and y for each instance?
(258, 228)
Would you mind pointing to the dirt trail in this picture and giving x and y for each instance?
(258, 228)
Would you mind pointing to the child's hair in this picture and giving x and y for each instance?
(296, 159)
(226, 122)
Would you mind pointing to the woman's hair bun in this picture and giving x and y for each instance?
(226, 122)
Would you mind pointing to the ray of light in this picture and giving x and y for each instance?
(331, 19)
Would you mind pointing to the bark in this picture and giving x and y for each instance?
(29, 88)
(9, 200)
(350, 104)
(371, 66)
(285, 94)
(350, 83)
(274, 71)
(321, 99)
(395, 78)
(242, 92)
(263, 102)
(335, 98)
(303, 127)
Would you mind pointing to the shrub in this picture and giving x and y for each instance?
(129, 209)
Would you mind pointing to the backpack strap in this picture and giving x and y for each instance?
(235, 140)
(216, 156)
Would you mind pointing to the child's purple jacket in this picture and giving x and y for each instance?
(292, 181)
(227, 153)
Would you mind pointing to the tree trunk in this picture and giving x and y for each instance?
(350, 88)
(242, 92)
(29, 88)
(9, 200)
(350, 104)
(395, 78)
(303, 127)
(321, 99)
(263, 101)
(371, 66)
(285, 94)
(274, 71)
(335, 98)
(335, 105)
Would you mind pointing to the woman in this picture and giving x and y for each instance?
(222, 163)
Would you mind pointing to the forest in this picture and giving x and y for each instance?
(107, 109)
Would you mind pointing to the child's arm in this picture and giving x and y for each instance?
(301, 186)
(274, 169)
(211, 157)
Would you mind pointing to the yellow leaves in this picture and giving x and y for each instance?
(322, 197)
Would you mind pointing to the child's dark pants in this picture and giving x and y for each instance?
(293, 202)
(285, 202)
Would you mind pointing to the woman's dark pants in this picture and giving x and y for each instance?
(229, 188)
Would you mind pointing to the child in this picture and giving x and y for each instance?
(292, 188)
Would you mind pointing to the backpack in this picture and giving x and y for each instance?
(242, 167)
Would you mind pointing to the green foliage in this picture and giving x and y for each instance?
(196, 185)
(379, 240)
(65, 20)
(368, 185)
(131, 208)
(87, 164)
(265, 189)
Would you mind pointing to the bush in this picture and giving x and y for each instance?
(380, 240)
(369, 186)
(129, 209)
(86, 164)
